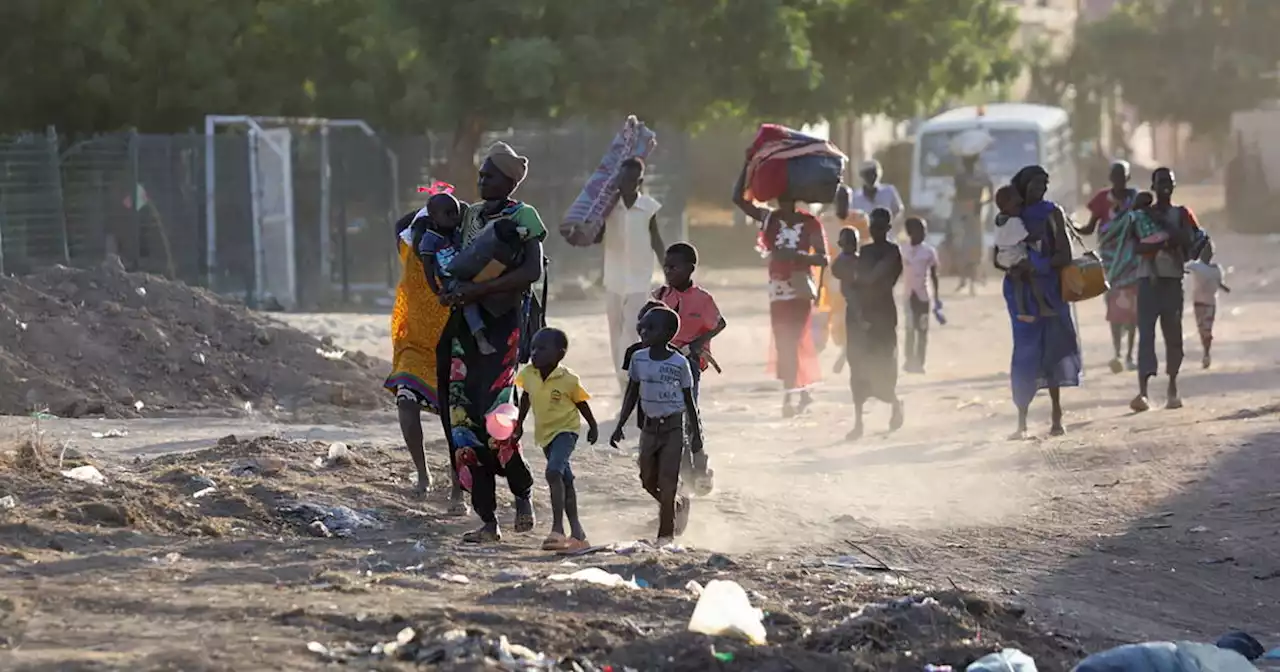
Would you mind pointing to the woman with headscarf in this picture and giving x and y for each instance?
(1046, 352)
(480, 383)
(794, 243)
(1119, 259)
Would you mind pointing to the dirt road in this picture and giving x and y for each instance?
(1130, 527)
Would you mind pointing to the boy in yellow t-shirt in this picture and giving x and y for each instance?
(559, 404)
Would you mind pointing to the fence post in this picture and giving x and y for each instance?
(55, 167)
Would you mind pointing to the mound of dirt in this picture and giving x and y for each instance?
(102, 341)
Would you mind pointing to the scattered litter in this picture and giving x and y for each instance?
(8, 502)
(718, 561)
(168, 559)
(1198, 529)
(938, 668)
(203, 481)
(263, 466)
(332, 355)
(724, 609)
(1273, 654)
(722, 656)
(596, 576)
(317, 528)
(198, 358)
(513, 575)
(694, 587)
(110, 434)
(138, 405)
(338, 454)
(141, 291)
(453, 578)
(204, 492)
(341, 521)
(1008, 660)
(86, 474)
(472, 648)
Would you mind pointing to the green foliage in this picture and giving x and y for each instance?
(1192, 61)
(463, 67)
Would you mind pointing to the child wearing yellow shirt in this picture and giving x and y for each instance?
(559, 403)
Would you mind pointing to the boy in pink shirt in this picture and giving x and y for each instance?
(920, 275)
(700, 321)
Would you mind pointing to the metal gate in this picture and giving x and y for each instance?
(271, 182)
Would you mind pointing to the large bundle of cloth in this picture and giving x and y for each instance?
(785, 164)
(583, 224)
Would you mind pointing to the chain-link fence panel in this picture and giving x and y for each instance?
(33, 230)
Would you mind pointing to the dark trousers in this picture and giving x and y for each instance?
(484, 486)
(661, 451)
(917, 330)
(1159, 300)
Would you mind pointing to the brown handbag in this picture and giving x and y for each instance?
(1085, 277)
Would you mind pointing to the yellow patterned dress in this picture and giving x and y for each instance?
(417, 322)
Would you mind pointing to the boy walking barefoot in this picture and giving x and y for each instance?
(661, 382)
(559, 403)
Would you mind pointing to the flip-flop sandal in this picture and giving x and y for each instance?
(571, 546)
(525, 522)
(481, 536)
(682, 514)
(555, 542)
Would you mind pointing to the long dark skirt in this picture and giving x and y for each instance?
(873, 357)
(478, 384)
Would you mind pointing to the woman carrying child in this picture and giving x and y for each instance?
(481, 382)
(1046, 352)
(1105, 209)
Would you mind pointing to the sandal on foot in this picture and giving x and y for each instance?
(555, 542)
(1140, 404)
(1117, 366)
(572, 545)
(482, 536)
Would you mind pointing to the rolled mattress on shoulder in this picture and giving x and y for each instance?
(583, 224)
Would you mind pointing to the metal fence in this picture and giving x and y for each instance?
(145, 199)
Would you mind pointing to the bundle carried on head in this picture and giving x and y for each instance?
(583, 224)
(787, 165)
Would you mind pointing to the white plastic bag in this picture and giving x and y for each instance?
(724, 609)
(1008, 660)
(597, 576)
(86, 474)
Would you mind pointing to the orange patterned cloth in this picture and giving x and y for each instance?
(417, 321)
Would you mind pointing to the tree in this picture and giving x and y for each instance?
(1191, 61)
(485, 63)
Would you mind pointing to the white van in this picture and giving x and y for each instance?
(1023, 135)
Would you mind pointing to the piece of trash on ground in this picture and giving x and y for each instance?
(453, 578)
(1008, 660)
(341, 521)
(86, 474)
(8, 502)
(724, 609)
(110, 434)
(596, 576)
(204, 492)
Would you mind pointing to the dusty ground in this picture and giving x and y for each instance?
(1130, 527)
(99, 341)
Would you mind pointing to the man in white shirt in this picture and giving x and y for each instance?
(631, 242)
(874, 195)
